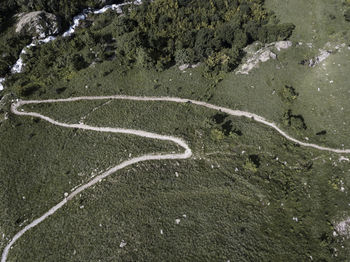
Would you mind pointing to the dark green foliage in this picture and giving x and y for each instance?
(271, 33)
(295, 121)
(7, 9)
(78, 62)
(160, 34)
(204, 46)
(4, 67)
(347, 15)
(10, 48)
(28, 89)
(65, 9)
(184, 56)
(288, 94)
(193, 31)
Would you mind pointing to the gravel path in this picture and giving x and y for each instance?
(185, 155)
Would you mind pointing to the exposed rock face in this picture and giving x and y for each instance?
(256, 54)
(324, 54)
(283, 45)
(38, 24)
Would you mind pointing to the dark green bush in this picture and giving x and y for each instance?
(78, 62)
(4, 67)
(347, 15)
(27, 89)
(271, 33)
(159, 34)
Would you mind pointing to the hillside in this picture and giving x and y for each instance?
(183, 130)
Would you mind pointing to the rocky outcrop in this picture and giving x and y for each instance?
(324, 54)
(256, 54)
(38, 24)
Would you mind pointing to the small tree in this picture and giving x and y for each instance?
(28, 89)
(184, 56)
(78, 62)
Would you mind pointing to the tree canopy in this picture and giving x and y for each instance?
(177, 31)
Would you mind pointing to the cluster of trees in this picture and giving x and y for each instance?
(159, 34)
(164, 32)
(11, 44)
(59, 60)
(10, 48)
(64, 9)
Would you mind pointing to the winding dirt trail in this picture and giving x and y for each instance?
(185, 155)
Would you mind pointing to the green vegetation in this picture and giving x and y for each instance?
(11, 46)
(65, 10)
(160, 34)
(247, 193)
(236, 191)
(11, 43)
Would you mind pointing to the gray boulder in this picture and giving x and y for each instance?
(38, 24)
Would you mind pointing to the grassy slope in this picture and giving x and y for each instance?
(41, 162)
(231, 214)
(244, 215)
